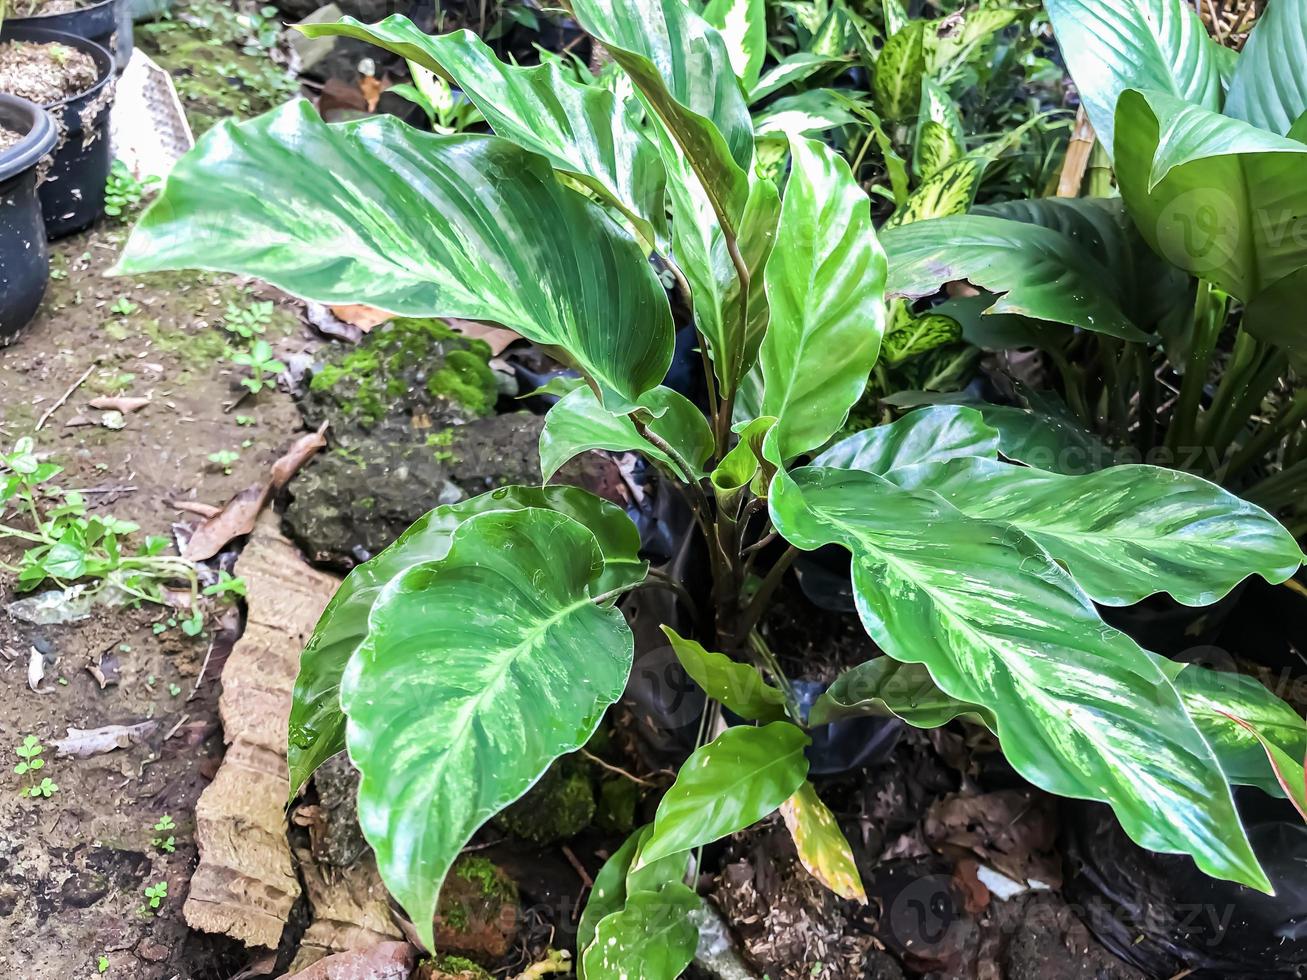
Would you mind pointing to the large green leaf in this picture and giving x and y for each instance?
(1125, 532)
(727, 785)
(1214, 195)
(888, 689)
(737, 686)
(743, 27)
(577, 422)
(420, 225)
(478, 671)
(1275, 315)
(1048, 440)
(1212, 697)
(925, 436)
(1037, 271)
(1080, 709)
(1269, 87)
(1113, 45)
(681, 67)
(583, 130)
(808, 113)
(825, 285)
(317, 725)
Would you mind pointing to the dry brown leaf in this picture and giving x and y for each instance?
(82, 743)
(1013, 831)
(297, 455)
(197, 507)
(371, 88)
(384, 961)
(360, 315)
(499, 338)
(119, 403)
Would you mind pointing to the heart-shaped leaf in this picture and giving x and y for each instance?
(414, 224)
(478, 671)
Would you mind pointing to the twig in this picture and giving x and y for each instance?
(615, 769)
(105, 490)
(203, 667)
(578, 867)
(175, 728)
(66, 395)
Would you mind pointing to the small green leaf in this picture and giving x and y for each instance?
(727, 785)
(739, 466)
(743, 27)
(653, 937)
(886, 688)
(737, 686)
(926, 435)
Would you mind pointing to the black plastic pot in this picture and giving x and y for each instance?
(108, 23)
(72, 195)
(24, 261)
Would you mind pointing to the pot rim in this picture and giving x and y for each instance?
(104, 61)
(39, 140)
(35, 19)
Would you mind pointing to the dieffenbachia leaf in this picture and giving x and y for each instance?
(825, 285)
(888, 689)
(743, 27)
(949, 42)
(789, 70)
(896, 84)
(927, 435)
(418, 225)
(317, 724)
(727, 785)
(681, 67)
(578, 422)
(1114, 45)
(940, 138)
(582, 130)
(1215, 698)
(1080, 710)
(1216, 196)
(1035, 271)
(652, 937)
(478, 671)
(911, 336)
(737, 686)
(823, 849)
(1269, 88)
(948, 191)
(1125, 532)
(808, 113)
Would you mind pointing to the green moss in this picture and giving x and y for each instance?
(456, 916)
(462, 968)
(488, 878)
(617, 801)
(558, 807)
(440, 442)
(467, 379)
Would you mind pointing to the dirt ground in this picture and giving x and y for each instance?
(74, 867)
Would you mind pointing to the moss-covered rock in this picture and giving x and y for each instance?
(477, 912)
(558, 807)
(452, 968)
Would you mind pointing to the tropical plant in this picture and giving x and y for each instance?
(486, 641)
(1168, 314)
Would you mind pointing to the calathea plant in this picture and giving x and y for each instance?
(1138, 299)
(487, 641)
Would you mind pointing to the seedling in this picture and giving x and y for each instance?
(224, 459)
(102, 964)
(247, 321)
(227, 585)
(29, 751)
(167, 844)
(123, 306)
(156, 894)
(245, 420)
(123, 192)
(260, 361)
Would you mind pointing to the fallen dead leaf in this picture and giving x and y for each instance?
(1013, 831)
(384, 961)
(196, 507)
(82, 743)
(499, 338)
(119, 403)
(237, 517)
(372, 88)
(35, 670)
(360, 315)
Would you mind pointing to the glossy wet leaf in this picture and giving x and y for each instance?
(583, 130)
(478, 671)
(737, 686)
(1269, 87)
(1126, 532)
(926, 435)
(578, 422)
(420, 225)
(652, 937)
(789, 70)
(743, 27)
(1111, 46)
(1215, 699)
(731, 783)
(1034, 271)
(1080, 709)
(825, 284)
(681, 67)
(808, 113)
(948, 191)
(823, 849)
(1053, 441)
(885, 688)
(317, 724)
(1214, 195)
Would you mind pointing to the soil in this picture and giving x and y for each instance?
(45, 73)
(44, 8)
(9, 138)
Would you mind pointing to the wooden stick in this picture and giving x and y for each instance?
(66, 395)
(1077, 156)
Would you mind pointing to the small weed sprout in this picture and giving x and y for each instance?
(261, 363)
(227, 585)
(29, 752)
(123, 193)
(224, 459)
(122, 306)
(247, 321)
(156, 894)
(166, 844)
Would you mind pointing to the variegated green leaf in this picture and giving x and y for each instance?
(317, 724)
(919, 334)
(1114, 45)
(825, 285)
(899, 68)
(378, 213)
(789, 70)
(743, 27)
(808, 113)
(578, 422)
(1125, 532)
(652, 937)
(948, 191)
(1269, 87)
(479, 670)
(1080, 709)
(583, 130)
(949, 42)
(940, 138)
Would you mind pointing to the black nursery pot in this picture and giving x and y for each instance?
(72, 195)
(24, 261)
(108, 23)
